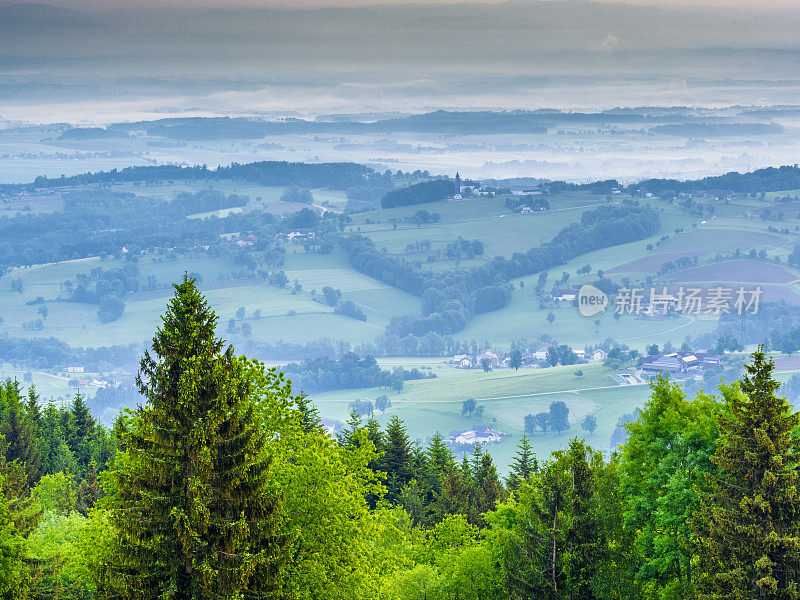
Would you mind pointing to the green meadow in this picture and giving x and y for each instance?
(434, 405)
(427, 406)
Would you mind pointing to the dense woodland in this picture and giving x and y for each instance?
(350, 371)
(224, 485)
(419, 193)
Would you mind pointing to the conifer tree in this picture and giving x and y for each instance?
(439, 459)
(88, 492)
(523, 465)
(562, 547)
(81, 432)
(487, 490)
(309, 415)
(194, 515)
(32, 409)
(749, 524)
(19, 437)
(374, 434)
(398, 459)
(347, 437)
(57, 456)
(454, 497)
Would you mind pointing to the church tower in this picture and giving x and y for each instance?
(458, 184)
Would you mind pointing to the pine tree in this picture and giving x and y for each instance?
(398, 459)
(57, 456)
(583, 536)
(18, 442)
(562, 547)
(81, 432)
(375, 435)
(523, 465)
(309, 415)
(88, 492)
(32, 409)
(749, 524)
(439, 459)
(104, 448)
(347, 437)
(454, 497)
(487, 489)
(194, 516)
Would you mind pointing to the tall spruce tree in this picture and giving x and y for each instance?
(81, 430)
(398, 459)
(487, 490)
(561, 549)
(523, 465)
(309, 415)
(18, 432)
(194, 514)
(749, 525)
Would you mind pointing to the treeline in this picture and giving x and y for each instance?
(773, 321)
(105, 223)
(51, 353)
(99, 283)
(769, 179)
(268, 173)
(451, 298)
(101, 222)
(50, 451)
(224, 485)
(602, 227)
(420, 193)
(350, 371)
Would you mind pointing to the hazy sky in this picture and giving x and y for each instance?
(753, 5)
(112, 65)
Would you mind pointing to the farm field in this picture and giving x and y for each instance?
(524, 318)
(738, 271)
(434, 405)
(309, 320)
(428, 406)
(502, 231)
(78, 324)
(50, 387)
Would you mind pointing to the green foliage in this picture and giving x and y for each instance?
(662, 468)
(419, 193)
(15, 575)
(225, 485)
(523, 466)
(194, 515)
(73, 547)
(336, 543)
(561, 545)
(749, 526)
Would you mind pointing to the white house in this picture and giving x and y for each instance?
(477, 435)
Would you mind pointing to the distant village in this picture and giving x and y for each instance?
(683, 364)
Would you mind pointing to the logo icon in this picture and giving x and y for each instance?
(591, 300)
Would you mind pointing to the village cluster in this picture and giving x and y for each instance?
(529, 358)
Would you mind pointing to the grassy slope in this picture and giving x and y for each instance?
(428, 406)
